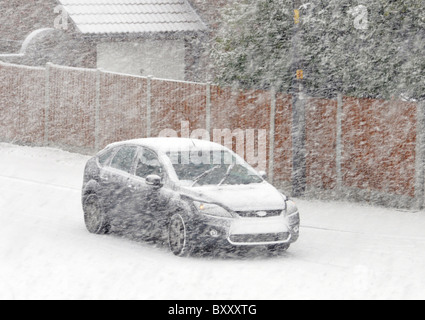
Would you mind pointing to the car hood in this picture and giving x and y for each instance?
(253, 197)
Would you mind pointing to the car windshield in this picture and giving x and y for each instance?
(200, 168)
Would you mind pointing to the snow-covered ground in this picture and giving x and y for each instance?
(346, 251)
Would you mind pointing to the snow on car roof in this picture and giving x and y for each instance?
(172, 144)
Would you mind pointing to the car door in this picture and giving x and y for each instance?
(116, 181)
(106, 189)
(149, 200)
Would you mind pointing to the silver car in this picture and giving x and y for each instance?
(192, 194)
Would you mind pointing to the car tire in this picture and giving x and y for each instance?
(94, 216)
(278, 249)
(178, 236)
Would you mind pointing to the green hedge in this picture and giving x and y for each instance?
(371, 48)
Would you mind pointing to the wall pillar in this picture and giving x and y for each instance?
(420, 157)
(340, 103)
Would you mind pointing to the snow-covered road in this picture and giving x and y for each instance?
(346, 251)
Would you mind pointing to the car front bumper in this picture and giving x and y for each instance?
(248, 232)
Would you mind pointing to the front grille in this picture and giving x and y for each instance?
(259, 214)
(259, 238)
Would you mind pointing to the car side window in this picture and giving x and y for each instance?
(124, 158)
(105, 157)
(148, 164)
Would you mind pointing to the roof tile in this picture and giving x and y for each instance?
(132, 16)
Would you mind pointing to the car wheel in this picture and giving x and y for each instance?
(278, 248)
(178, 239)
(94, 216)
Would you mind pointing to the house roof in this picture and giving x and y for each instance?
(132, 16)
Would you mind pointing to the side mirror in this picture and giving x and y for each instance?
(263, 174)
(155, 181)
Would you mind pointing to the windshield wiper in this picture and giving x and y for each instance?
(204, 174)
(229, 170)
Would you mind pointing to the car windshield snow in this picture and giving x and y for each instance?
(201, 168)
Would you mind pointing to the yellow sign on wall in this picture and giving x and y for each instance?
(300, 74)
(297, 16)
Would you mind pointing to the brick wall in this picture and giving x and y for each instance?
(321, 135)
(86, 109)
(20, 18)
(22, 104)
(379, 145)
(209, 11)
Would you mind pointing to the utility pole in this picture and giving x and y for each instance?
(299, 172)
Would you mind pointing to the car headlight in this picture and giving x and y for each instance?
(212, 210)
(292, 215)
(291, 208)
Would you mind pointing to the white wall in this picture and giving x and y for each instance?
(159, 58)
